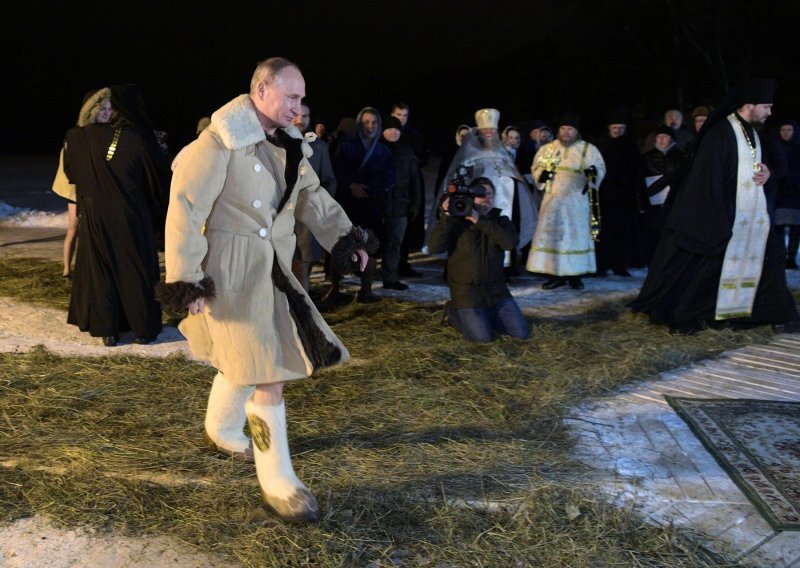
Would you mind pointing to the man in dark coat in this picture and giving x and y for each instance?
(663, 160)
(619, 234)
(718, 262)
(121, 182)
(403, 206)
(480, 302)
(415, 230)
(309, 250)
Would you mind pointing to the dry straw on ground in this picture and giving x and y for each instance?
(426, 450)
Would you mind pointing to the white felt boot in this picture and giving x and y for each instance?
(225, 418)
(283, 493)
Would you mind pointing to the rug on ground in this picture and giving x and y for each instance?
(757, 442)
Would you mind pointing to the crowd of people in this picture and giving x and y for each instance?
(264, 193)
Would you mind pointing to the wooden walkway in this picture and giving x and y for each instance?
(645, 457)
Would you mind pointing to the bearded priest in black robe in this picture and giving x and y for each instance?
(718, 263)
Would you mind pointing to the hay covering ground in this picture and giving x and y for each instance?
(424, 451)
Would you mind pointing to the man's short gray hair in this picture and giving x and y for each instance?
(268, 71)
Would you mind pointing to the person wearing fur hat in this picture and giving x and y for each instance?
(718, 263)
(235, 196)
(120, 177)
(96, 108)
(562, 247)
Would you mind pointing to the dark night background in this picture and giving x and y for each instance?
(445, 59)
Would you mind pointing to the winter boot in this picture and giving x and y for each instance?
(283, 494)
(225, 418)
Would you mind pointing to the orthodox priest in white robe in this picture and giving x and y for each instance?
(562, 246)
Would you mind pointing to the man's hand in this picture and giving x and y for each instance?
(446, 205)
(762, 175)
(197, 306)
(361, 257)
(474, 216)
(359, 191)
(546, 176)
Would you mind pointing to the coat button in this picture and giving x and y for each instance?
(262, 232)
(257, 203)
(257, 167)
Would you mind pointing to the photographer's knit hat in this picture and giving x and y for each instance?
(487, 118)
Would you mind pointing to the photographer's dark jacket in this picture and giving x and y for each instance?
(475, 257)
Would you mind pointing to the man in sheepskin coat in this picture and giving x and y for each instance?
(235, 195)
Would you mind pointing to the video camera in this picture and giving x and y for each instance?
(461, 192)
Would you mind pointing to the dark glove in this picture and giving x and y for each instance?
(591, 171)
(546, 176)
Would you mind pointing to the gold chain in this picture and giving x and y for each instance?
(756, 165)
(113, 147)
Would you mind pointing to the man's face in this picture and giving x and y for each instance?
(104, 112)
(787, 132)
(512, 139)
(616, 130)
(534, 135)
(391, 134)
(567, 135)
(673, 119)
(487, 133)
(369, 125)
(699, 121)
(279, 103)
(302, 120)
(461, 135)
(484, 204)
(545, 136)
(663, 141)
(758, 114)
(401, 114)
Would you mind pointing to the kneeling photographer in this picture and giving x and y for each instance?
(475, 235)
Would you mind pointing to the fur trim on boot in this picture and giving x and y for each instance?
(225, 418)
(178, 295)
(347, 245)
(283, 494)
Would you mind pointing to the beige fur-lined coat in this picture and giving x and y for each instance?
(223, 222)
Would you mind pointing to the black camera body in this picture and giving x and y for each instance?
(462, 194)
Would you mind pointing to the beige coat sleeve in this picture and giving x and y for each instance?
(320, 212)
(196, 183)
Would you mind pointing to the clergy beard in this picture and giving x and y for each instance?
(492, 143)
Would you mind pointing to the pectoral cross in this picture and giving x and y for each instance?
(548, 162)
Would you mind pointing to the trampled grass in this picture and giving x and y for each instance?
(423, 451)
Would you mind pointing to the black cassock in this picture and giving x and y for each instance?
(682, 282)
(121, 205)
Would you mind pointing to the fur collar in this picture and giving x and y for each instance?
(237, 126)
